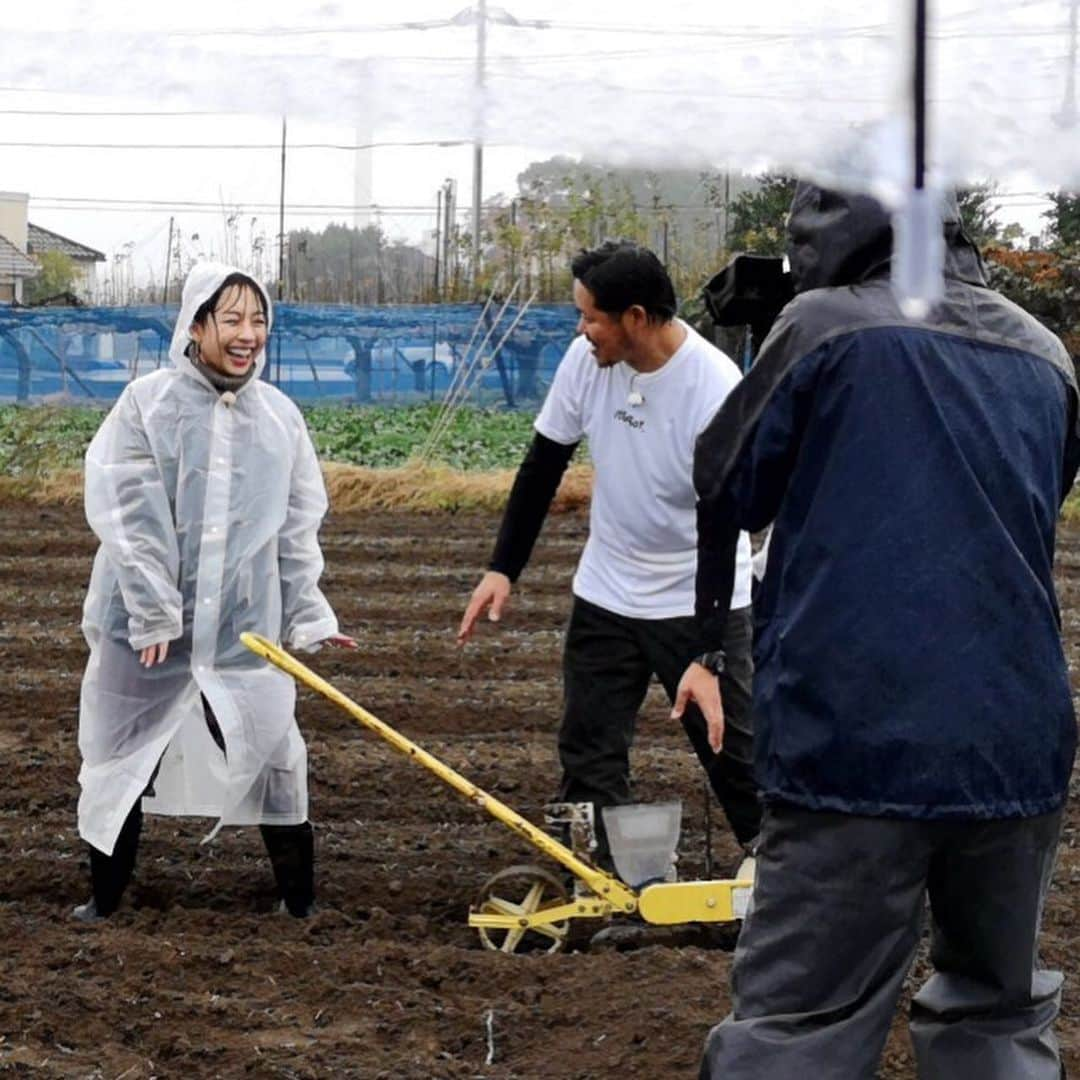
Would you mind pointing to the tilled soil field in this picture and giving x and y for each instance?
(196, 976)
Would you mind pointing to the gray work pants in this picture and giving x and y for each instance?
(835, 921)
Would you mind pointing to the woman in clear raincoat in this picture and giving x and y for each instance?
(203, 487)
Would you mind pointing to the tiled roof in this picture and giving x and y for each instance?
(13, 263)
(39, 240)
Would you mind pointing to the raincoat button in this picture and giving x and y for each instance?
(228, 399)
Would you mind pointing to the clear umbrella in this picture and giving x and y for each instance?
(833, 90)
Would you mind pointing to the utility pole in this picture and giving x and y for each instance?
(352, 299)
(727, 206)
(380, 290)
(168, 262)
(281, 221)
(449, 214)
(478, 145)
(513, 240)
(438, 239)
(480, 16)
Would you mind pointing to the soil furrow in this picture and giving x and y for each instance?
(196, 976)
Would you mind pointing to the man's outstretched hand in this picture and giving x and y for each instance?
(493, 593)
(700, 686)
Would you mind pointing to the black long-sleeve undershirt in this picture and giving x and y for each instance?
(530, 499)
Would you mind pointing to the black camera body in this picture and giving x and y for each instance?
(750, 291)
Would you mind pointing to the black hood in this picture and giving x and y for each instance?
(839, 238)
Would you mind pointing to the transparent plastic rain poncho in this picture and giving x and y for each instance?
(207, 507)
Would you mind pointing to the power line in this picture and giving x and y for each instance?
(659, 30)
(313, 31)
(266, 209)
(860, 33)
(41, 205)
(978, 35)
(516, 59)
(216, 205)
(780, 95)
(468, 18)
(244, 205)
(232, 146)
(99, 112)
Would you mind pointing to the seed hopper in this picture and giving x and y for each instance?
(528, 906)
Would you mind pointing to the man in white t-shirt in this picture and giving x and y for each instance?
(640, 385)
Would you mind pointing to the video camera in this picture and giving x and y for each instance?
(750, 291)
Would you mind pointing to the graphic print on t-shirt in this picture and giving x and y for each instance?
(633, 421)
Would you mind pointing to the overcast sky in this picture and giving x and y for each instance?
(680, 84)
(101, 197)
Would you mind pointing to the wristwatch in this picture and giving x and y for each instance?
(712, 661)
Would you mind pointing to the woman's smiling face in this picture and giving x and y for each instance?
(235, 332)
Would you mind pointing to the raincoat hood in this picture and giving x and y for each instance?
(202, 282)
(840, 238)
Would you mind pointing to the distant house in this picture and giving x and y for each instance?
(15, 265)
(85, 258)
(15, 268)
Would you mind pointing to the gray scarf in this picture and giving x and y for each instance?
(217, 379)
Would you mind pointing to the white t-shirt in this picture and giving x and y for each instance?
(641, 555)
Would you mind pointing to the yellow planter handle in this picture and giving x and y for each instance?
(608, 888)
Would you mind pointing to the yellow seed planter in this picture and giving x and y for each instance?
(528, 906)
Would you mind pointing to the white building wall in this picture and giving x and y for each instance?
(13, 227)
(13, 217)
(85, 284)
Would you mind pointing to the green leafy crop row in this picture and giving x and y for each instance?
(40, 440)
(385, 437)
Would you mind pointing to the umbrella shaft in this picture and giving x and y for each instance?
(918, 88)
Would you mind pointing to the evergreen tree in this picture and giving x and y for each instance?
(1064, 219)
(977, 212)
(360, 266)
(758, 217)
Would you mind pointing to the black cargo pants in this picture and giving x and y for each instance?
(608, 661)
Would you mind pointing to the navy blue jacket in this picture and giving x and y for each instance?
(908, 660)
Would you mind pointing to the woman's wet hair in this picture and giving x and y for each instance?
(620, 274)
(238, 281)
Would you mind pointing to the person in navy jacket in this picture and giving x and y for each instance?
(915, 726)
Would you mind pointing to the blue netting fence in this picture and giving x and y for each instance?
(350, 355)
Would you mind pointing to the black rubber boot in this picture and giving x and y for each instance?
(110, 874)
(292, 855)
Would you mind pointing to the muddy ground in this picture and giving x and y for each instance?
(196, 976)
